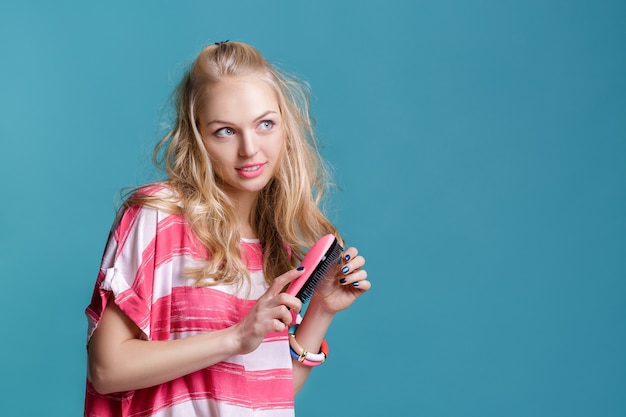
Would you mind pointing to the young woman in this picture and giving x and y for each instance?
(188, 316)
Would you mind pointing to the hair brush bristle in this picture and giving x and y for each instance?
(323, 267)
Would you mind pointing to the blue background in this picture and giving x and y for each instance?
(480, 147)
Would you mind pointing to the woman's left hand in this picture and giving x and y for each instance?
(343, 284)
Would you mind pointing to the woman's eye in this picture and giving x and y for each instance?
(224, 132)
(266, 125)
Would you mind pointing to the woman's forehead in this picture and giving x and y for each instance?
(238, 98)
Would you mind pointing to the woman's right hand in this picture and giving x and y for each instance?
(271, 312)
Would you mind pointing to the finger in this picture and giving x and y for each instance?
(286, 316)
(349, 254)
(362, 286)
(283, 315)
(291, 302)
(354, 277)
(354, 264)
(279, 325)
(281, 281)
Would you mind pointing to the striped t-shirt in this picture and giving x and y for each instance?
(141, 271)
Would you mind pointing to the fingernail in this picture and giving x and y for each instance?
(300, 268)
(355, 284)
(342, 280)
(347, 257)
(345, 269)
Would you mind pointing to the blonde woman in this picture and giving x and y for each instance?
(188, 315)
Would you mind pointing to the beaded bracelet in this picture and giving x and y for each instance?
(301, 352)
(304, 357)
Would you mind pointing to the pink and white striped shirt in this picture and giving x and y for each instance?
(141, 271)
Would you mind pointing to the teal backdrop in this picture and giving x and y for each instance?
(480, 150)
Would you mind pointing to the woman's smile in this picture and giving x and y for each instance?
(251, 170)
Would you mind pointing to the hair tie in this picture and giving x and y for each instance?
(220, 43)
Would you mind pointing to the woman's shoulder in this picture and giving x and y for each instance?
(156, 190)
(149, 203)
(158, 195)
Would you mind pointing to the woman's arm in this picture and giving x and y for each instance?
(120, 360)
(310, 335)
(335, 293)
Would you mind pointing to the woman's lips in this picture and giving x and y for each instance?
(251, 170)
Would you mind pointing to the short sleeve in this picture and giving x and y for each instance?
(127, 269)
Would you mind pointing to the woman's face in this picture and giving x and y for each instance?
(242, 130)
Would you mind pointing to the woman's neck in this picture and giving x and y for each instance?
(245, 205)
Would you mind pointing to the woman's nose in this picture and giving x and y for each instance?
(248, 146)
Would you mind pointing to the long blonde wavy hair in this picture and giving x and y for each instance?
(287, 217)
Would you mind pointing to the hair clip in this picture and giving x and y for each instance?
(221, 43)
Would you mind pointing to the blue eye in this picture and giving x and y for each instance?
(224, 132)
(266, 125)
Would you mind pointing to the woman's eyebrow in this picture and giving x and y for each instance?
(222, 122)
(262, 116)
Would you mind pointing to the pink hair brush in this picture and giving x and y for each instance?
(317, 262)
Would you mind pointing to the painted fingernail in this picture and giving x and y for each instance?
(300, 268)
(345, 269)
(347, 257)
(342, 280)
(355, 284)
